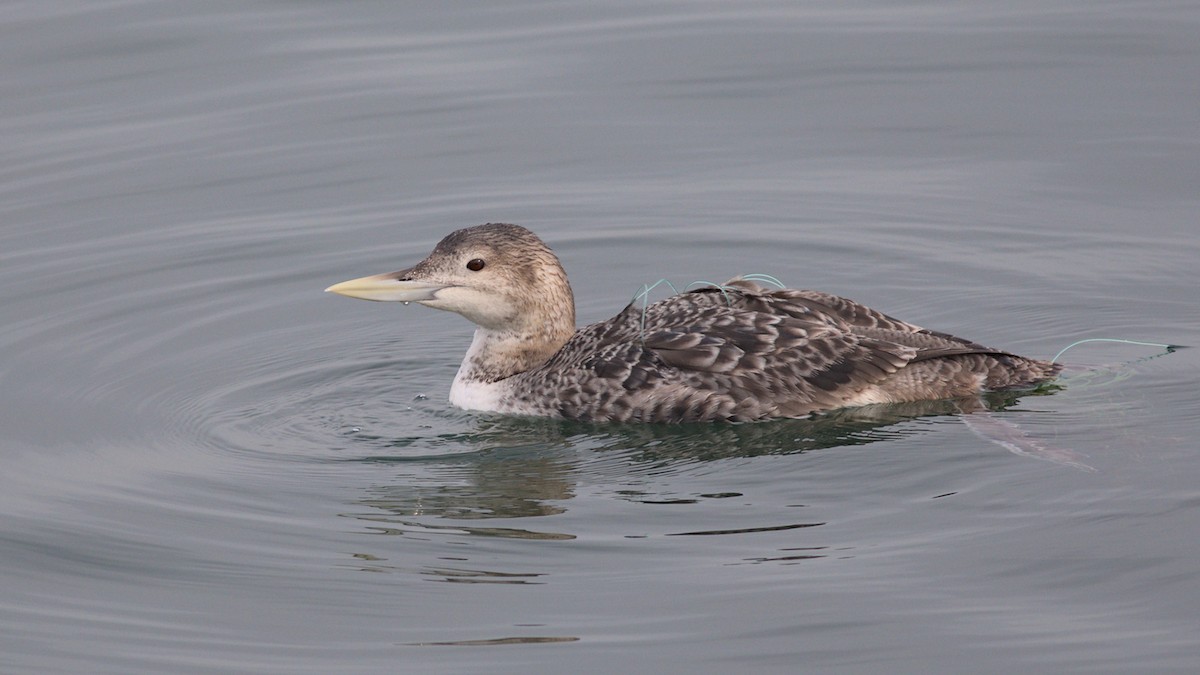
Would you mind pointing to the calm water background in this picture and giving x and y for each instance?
(209, 466)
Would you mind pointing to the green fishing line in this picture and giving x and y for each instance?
(1169, 348)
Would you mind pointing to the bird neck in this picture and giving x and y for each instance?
(497, 355)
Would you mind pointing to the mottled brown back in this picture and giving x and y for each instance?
(749, 353)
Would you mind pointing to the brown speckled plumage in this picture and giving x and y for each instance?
(743, 353)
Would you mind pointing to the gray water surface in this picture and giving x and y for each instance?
(209, 466)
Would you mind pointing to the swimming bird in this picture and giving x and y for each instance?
(738, 352)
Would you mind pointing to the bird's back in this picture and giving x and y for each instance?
(744, 352)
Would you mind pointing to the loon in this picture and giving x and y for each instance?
(736, 353)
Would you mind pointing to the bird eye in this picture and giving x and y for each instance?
(476, 264)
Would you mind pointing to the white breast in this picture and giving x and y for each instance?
(469, 393)
(478, 395)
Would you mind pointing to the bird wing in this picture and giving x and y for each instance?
(689, 358)
(740, 352)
